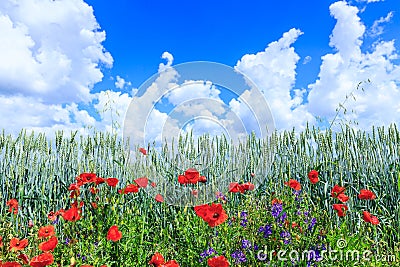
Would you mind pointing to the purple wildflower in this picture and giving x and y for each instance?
(246, 244)
(239, 256)
(283, 217)
(208, 252)
(276, 209)
(244, 221)
(312, 224)
(286, 237)
(266, 230)
(221, 196)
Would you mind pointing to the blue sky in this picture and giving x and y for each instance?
(63, 60)
(138, 32)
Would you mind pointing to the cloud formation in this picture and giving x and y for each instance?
(274, 73)
(52, 56)
(377, 28)
(50, 50)
(340, 73)
(120, 83)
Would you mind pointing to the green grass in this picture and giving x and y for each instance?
(37, 172)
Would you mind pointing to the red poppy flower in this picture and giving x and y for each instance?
(214, 215)
(219, 261)
(153, 184)
(182, 179)
(340, 208)
(94, 205)
(202, 179)
(275, 200)
(49, 244)
(159, 198)
(16, 244)
(99, 180)
(1, 241)
(142, 182)
(338, 192)
(191, 176)
(234, 187)
(157, 259)
(170, 263)
(52, 216)
(201, 210)
(24, 258)
(46, 231)
(130, 188)
(73, 187)
(72, 214)
(112, 181)
(293, 184)
(10, 264)
(143, 151)
(13, 205)
(114, 234)
(85, 178)
(370, 218)
(246, 187)
(313, 176)
(42, 260)
(294, 225)
(366, 194)
(59, 212)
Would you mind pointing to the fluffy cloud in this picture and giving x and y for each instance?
(340, 73)
(52, 56)
(121, 83)
(112, 107)
(50, 50)
(143, 122)
(377, 28)
(192, 90)
(166, 55)
(274, 73)
(18, 112)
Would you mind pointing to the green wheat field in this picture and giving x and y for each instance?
(100, 222)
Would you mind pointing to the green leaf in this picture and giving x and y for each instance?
(398, 181)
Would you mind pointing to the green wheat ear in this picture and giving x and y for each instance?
(398, 181)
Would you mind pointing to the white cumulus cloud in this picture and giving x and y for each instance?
(340, 73)
(170, 59)
(274, 72)
(121, 83)
(50, 50)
